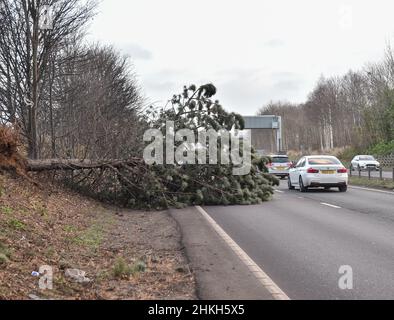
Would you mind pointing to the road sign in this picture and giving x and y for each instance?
(266, 132)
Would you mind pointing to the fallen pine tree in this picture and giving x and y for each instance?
(134, 183)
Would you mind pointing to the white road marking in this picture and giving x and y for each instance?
(374, 190)
(279, 191)
(260, 275)
(330, 205)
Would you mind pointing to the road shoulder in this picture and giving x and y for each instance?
(219, 272)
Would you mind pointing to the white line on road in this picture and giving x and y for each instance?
(264, 279)
(330, 205)
(374, 190)
(279, 191)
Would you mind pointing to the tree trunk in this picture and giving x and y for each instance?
(34, 87)
(77, 164)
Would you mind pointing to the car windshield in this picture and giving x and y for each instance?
(280, 160)
(323, 161)
(367, 158)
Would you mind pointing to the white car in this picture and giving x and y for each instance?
(318, 171)
(364, 163)
(279, 166)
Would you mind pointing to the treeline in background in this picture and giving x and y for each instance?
(353, 113)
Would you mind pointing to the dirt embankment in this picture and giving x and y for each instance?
(126, 254)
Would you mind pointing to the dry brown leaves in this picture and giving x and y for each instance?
(59, 228)
(10, 158)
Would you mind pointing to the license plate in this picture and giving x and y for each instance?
(280, 168)
(327, 171)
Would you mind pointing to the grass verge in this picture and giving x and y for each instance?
(123, 252)
(373, 183)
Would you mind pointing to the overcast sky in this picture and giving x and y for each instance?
(253, 51)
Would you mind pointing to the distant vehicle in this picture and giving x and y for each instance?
(280, 165)
(364, 163)
(318, 171)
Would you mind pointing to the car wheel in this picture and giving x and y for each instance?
(291, 187)
(302, 187)
(342, 188)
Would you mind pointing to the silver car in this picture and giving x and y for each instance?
(279, 166)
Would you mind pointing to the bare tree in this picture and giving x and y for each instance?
(26, 50)
(93, 107)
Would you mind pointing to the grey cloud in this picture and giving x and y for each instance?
(137, 52)
(243, 90)
(286, 86)
(284, 75)
(249, 90)
(286, 82)
(274, 43)
(161, 85)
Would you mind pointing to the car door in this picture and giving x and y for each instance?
(295, 172)
(292, 172)
(301, 169)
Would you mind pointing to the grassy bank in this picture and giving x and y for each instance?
(126, 254)
(373, 183)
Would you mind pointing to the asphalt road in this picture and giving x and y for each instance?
(302, 239)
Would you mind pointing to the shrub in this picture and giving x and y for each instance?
(122, 270)
(3, 259)
(382, 148)
(16, 224)
(347, 154)
(4, 254)
(10, 159)
(6, 210)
